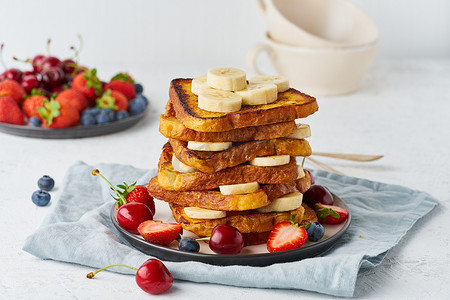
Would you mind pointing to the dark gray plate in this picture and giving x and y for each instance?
(263, 258)
(78, 131)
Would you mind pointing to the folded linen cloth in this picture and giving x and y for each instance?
(78, 230)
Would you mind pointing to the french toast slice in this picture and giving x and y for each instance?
(239, 153)
(289, 106)
(170, 179)
(171, 127)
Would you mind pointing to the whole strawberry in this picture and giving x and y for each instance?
(140, 194)
(73, 97)
(123, 83)
(31, 104)
(13, 89)
(114, 100)
(88, 84)
(56, 115)
(10, 111)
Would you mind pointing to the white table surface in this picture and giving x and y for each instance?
(401, 111)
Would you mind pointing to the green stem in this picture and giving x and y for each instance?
(92, 274)
(121, 201)
(203, 239)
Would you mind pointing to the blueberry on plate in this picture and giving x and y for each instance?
(188, 245)
(315, 231)
(40, 198)
(106, 115)
(87, 120)
(35, 122)
(140, 97)
(46, 183)
(139, 88)
(136, 106)
(121, 115)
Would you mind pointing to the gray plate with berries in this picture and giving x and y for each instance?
(256, 255)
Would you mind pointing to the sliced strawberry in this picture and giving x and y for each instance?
(286, 236)
(330, 214)
(158, 232)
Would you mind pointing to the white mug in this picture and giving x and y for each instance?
(316, 71)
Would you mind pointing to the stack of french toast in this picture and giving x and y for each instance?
(231, 157)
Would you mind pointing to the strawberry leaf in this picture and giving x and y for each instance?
(123, 77)
(49, 111)
(106, 101)
(92, 81)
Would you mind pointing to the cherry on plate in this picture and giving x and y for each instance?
(130, 215)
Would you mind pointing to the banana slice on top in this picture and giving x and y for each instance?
(199, 84)
(301, 131)
(270, 161)
(219, 101)
(281, 82)
(209, 146)
(285, 203)
(226, 79)
(239, 189)
(203, 213)
(257, 94)
(181, 167)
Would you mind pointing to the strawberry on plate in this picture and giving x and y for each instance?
(137, 193)
(286, 235)
(57, 115)
(10, 111)
(114, 100)
(158, 232)
(123, 83)
(13, 89)
(330, 214)
(88, 83)
(31, 104)
(73, 97)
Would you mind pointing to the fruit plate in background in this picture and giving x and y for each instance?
(78, 131)
(256, 255)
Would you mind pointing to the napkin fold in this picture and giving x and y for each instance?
(78, 230)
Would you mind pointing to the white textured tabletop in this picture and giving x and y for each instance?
(401, 111)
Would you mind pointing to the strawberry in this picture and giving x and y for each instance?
(13, 89)
(330, 214)
(10, 111)
(123, 83)
(73, 97)
(136, 193)
(57, 115)
(286, 236)
(88, 83)
(31, 104)
(158, 232)
(114, 100)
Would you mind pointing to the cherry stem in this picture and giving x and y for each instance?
(49, 41)
(121, 199)
(1, 56)
(204, 239)
(92, 274)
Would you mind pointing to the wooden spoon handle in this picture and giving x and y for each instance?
(355, 157)
(323, 166)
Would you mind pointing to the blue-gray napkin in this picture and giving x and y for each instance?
(78, 230)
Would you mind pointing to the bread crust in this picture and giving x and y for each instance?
(289, 106)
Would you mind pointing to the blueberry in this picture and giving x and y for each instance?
(35, 122)
(188, 245)
(136, 106)
(91, 111)
(122, 114)
(46, 183)
(140, 97)
(87, 120)
(139, 88)
(315, 231)
(40, 198)
(106, 115)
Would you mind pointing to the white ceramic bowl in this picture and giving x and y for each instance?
(317, 71)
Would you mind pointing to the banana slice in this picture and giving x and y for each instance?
(302, 131)
(287, 202)
(239, 189)
(203, 213)
(181, 167)
(256, 94)
(270, 161)
(209, 146)
(226, 79)
(219, 101)
(301, 172)
(199, 84)
(281, 82)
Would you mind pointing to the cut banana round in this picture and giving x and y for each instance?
(239, 189)
(219, 101)
(181, 167)
(257, 94)
(209, 146)
(226, 79)
(302, 131)
(270, 161)
(199, 84)
(203, 213)
(281, 82)
(301, 172)
(286, 203)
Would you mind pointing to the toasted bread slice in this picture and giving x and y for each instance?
(171, 127)
(289, 106)
(170, 179)
(240, 153)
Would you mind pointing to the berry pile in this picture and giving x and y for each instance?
(61, 93)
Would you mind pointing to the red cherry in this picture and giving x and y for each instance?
(130, 215)
(153, 277)
(317, 194)
(140, 194)
(51, 62)
(37, 63)
(53, 77)
(311, 176)
(226, 239)
(13, 74)
(29, 82)
(68, 66)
